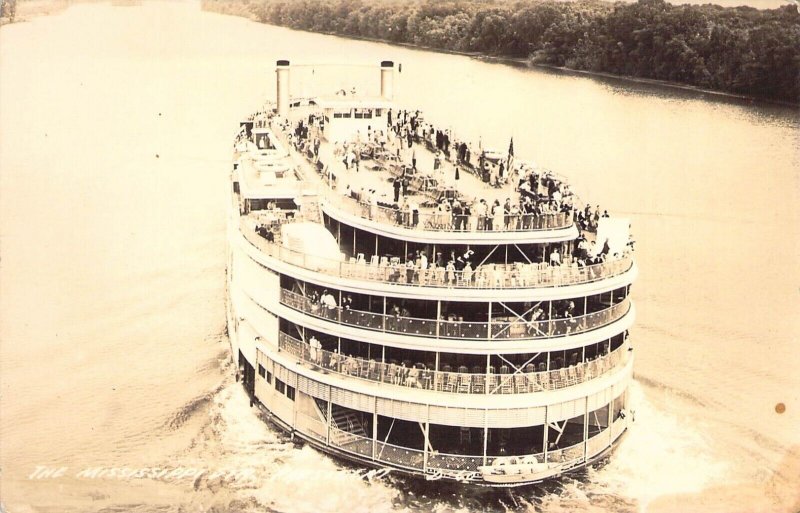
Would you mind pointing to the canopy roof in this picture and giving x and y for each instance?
(357, 102)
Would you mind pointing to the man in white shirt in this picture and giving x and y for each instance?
(555, 257)
(315, 350)
(328, 300)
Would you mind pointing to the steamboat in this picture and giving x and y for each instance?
(412, 302)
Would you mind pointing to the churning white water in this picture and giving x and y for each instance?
(115, 137)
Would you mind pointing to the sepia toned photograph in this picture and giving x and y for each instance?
(506, 256)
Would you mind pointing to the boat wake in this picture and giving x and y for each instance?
(659, 458)
(667, 456)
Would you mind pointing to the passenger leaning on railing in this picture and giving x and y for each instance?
(347, 302)
(313, 302)
(329, 302)
(537, 315)
(458, 214)
(315, 350)
(410, 265)
(334, 360)
(555, 258)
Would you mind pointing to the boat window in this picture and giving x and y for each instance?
(290, 392)
(262, 371)
(280, 386)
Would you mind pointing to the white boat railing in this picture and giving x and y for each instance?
(454, 462)
(488, 276)
(441, 328)
(461, 466)
(446, 221)
(454, 382)
(568, 456)
(617, 428)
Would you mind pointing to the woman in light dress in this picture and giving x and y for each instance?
(473, 216)
(467, 273)
(451, 273)
(440, 274)
(498, 215)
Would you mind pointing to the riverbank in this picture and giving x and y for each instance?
(26, 10)
(706, 48)
(638, 80)
(526, 62)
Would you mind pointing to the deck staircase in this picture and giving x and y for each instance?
(347, 423)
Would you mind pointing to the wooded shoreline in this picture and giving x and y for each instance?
(516, 61)
(738, 53)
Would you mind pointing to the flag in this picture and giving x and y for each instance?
(510, 158)
(457, 175)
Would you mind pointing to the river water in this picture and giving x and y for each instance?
(115, 137)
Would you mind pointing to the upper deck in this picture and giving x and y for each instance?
(269, 170)
(409, 181)
(515, 279)
(395, 185)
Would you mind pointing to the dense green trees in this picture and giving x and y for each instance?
(741, 50)
(8, 10)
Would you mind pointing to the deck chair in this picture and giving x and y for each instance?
(464, 383)
(520, 383)
(479, 384)
(450, 382)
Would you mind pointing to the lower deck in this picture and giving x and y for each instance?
(426, 440)
(452, 467)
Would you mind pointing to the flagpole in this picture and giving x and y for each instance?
(510, 157)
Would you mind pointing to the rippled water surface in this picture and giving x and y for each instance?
(115, 132)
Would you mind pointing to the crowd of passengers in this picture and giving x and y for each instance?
(460, 269)
(422, 375)
(540, 192)
(325, 305)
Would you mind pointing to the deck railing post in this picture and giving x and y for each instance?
(485, 433)
(427, 438)
(546, 437)
(438, 316)
(585, 427)
(489, 323)
(329, 415)
(375, 428)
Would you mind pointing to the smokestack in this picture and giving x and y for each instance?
(282, 72)
(387, 79)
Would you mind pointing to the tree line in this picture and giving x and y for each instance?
(8, 11)
(739, 50)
